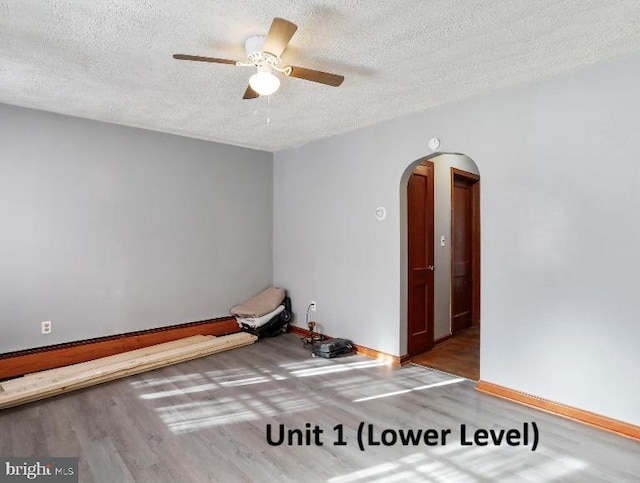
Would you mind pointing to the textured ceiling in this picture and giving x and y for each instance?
(111, 59)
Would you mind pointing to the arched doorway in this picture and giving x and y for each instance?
(441, 263)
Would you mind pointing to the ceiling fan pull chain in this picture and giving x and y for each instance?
(268, 111)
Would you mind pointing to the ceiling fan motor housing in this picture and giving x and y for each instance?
(253, 48)
(254, 44)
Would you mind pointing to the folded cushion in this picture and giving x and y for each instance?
(259, 321)
(263, 303)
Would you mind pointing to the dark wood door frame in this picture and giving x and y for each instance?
(420, 326)
(474, 181)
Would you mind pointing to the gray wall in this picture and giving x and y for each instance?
(559, 166)
(107, 229)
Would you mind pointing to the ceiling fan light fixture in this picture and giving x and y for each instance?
(264, 83)
(264, 53)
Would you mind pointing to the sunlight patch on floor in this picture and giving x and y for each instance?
(402, 476)
(220, 398)
(178, 392)
(193, 416)
(160, 381)
(305, 364)
(496, 464)
(209, 381)
(405, 391)
(225, 375)
(365, 474)
(557, 468)
(338, 368)
(253, 380)
(213, 413)
(490, 463)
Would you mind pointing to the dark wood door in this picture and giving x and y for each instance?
(462, 209)
(420, 238)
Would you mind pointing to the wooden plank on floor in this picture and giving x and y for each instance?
(39, 359)
(102, 361)
(61, 383)
(166, 355)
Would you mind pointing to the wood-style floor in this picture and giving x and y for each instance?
(459, 355)
(206, 420)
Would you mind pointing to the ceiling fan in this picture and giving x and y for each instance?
(264, 54)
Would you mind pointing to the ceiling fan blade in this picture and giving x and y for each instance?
(316, 76)
(250, 93)
(279, 36)
(203, 59)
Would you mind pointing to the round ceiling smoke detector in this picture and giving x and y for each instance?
(434, 144)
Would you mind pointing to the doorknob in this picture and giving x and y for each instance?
(431, 267)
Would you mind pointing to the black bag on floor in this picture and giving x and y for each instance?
(332, 348)
(277, 325)
(266, 314)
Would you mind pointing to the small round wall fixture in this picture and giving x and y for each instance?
(381, 213)
(434, 144)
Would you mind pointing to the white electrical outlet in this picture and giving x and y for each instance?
(46, 327)
(312, 306)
